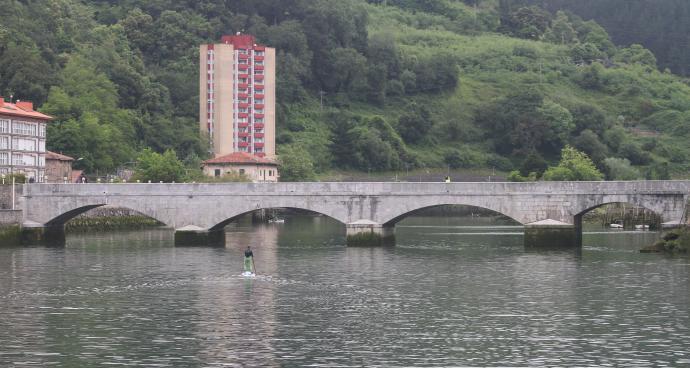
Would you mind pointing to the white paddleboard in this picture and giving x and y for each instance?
(248, 274)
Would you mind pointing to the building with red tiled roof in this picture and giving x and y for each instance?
(255, 168)
(23, 140)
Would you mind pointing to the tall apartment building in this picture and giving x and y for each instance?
(23, 140)
(237, 96)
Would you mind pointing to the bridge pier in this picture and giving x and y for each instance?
(553, 234)
(364, 233)
(38, 234)
(196, 236)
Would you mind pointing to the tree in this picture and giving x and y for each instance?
(415, 123)
(589, 143)
(527, 22)
(533, 163)
(574, 166)
(636, 54)
(620, 169)
(157, 167)
(296, 164)
(561, 31)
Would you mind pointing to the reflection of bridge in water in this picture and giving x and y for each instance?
(550, 211)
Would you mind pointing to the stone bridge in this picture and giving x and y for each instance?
(368, 210)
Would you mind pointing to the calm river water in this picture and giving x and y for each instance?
(453, 292)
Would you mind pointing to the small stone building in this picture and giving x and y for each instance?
(255, 168)
(58, 168)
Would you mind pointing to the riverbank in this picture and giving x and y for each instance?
(673, 241)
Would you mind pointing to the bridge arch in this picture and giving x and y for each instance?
(65, 216)
(221, 224)
(667, 207)
(391, 221)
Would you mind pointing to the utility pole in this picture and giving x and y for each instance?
(321, 93)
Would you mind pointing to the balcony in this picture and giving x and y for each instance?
(259, 48)
(258, 58)
(243, 144)
(242, 85)
(243, 115)
(258, 135)
(259, 145)
(259, 77)
(259, 96)
(244, 56)
(243, 76)
(243, 134)
(258, 116)
(258, 125)
(259, 87)
(242, 95)
(242, 105)
(242, 66)
(259, 106)
(258, 67)
(243, 125)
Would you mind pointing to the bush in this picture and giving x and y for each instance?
(574, 166)
(620, 169)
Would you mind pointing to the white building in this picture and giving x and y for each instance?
(23, 140)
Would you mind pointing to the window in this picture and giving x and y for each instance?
(4, 158)
(216, 172)
(41, 130)
(270, 172)
(4, 126)
(241, 171)
(17, 159)
(4, 142)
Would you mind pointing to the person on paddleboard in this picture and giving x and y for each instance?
(248, 260)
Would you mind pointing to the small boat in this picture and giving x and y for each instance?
(276, 221)
(616, 226)
(248, 274)
(641, 227)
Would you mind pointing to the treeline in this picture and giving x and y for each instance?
(361, 85)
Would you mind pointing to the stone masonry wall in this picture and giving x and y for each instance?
(6, 196)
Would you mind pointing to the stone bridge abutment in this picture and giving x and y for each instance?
(369, 211)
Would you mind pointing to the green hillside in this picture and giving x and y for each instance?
(369, 86)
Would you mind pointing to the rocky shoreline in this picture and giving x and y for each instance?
(673, 241)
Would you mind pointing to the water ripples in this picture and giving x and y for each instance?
(434, 300)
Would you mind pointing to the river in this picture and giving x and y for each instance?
(452, 292)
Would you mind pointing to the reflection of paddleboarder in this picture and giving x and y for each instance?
(249, 260)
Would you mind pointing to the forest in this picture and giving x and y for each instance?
(405, 84)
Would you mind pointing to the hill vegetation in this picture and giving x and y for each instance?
(362, 85)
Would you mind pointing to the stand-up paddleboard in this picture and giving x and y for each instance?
(248, 274)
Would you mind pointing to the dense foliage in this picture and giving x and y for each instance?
(377, 85)
(661, 25)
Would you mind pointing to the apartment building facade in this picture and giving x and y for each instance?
(237, 96)
(23, 140)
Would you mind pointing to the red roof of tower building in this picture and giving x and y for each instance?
(241, 158)
(240, 40)
(24, 109)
